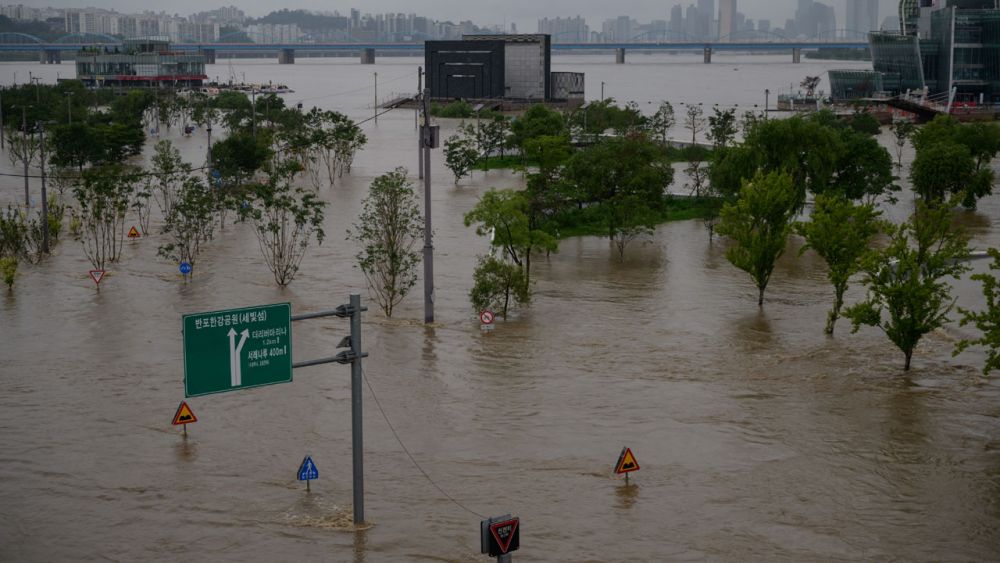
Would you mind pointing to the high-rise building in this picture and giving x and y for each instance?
(565, 30)
(805, 19)
(862, 16)
(727, 19)
(676, 25)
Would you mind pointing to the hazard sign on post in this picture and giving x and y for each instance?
(500, 535)
(626, 462)
(133, 232)
(184, 416)
(97, 276)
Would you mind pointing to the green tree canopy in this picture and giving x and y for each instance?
(907, 295)
(758, 224)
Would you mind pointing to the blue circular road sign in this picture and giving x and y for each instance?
(185, 268)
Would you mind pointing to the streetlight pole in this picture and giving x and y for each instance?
(376, 98)
(45, 198)
(253, 103)
(24, 154)
(420, 131)
(2, 132)
(602, 91)
(69, 107)
(767, 96)
(428, 231)
(208, 129)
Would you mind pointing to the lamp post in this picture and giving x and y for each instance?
(69, 107)
(602, 90)
(767, 96)
(45, 197)
(376, 98)
(24, 155)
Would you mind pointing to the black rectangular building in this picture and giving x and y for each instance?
(465, 69)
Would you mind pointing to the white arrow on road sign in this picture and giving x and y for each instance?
(235, 361)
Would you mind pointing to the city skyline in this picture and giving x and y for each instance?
(522, 13)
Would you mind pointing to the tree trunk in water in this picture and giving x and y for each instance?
(909, 354)
(760, 297)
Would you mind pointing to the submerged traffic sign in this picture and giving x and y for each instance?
(184, 415)
(97, 276)
(237, 349)
(500, 535)
(185, 268)
(308, 470)
(626, 462)
(133, 232)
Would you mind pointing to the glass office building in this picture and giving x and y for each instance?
(942, 45)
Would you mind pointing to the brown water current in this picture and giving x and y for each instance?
(759, 437)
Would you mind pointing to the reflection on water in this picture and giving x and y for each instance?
(760, 437)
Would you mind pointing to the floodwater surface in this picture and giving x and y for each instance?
(758, 437)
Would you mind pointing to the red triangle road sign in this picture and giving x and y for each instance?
(626, 462)
(97, 276)
(504, 533)
(133, 232)
(184, 415)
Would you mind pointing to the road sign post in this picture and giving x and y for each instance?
(500, 536)
(237, 349)
(308, 471)
(626, 463)
(211, 367)
(184, 416)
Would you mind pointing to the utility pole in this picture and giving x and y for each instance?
(420, 132)
(357, 392)
(24, 154)
(3, 132)
(45, 198)
(253, 120)
(208, 129)
(376, 98)
(426, 140)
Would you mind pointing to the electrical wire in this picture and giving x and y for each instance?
(409, 455)
(130, 175)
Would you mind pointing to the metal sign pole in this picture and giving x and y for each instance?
(357, 437)
(428, 233)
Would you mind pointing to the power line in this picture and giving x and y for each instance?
(409, 455)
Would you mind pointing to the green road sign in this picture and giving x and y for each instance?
(237, 349)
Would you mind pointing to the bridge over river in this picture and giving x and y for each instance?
(51, 51)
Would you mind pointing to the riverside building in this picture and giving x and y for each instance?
(145, 62)
(945, 46)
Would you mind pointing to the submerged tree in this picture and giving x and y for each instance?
(902, 131)
(841, 233)
(284, 217)
(660, 123)
(387, 230)
(758, 224)
(104, 196)
(190, 222)
(987, 321)
(459, 156)
(907, 297)
(496, 283)
(694, 121)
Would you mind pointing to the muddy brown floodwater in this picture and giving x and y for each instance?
(759, 438)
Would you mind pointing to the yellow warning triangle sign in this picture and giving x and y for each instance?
(626, 462)
(133, 232)
(184, 415)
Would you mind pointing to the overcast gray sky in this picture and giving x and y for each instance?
(523, 12)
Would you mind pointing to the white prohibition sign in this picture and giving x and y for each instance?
(486, 317)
